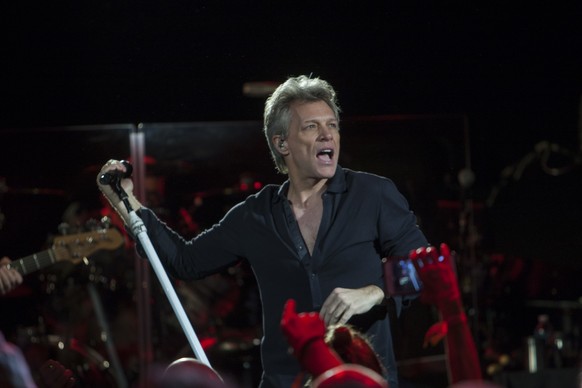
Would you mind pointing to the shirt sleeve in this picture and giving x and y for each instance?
(210, 252)
(399, 232)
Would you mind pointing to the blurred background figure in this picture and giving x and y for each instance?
(188, 372)
(350, 376)
(341, 355)
(14, 371)
(353, 347)
(440, 288)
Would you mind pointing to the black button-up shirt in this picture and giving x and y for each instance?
(364, 219)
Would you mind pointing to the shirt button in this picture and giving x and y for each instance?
(300, 247)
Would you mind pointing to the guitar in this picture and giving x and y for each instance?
(74, 248)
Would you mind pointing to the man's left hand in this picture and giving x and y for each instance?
(344, 303)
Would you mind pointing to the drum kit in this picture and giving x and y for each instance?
(80, 292)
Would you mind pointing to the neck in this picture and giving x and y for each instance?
(301, 193)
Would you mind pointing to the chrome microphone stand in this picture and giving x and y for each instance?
(139, 230)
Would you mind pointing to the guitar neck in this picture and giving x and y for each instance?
(33, 262)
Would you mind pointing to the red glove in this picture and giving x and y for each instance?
(301, 329)
(305, 332)
(437, 275)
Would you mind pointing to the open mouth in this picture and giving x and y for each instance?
(325, 155)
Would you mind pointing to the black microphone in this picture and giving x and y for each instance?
(113, 176)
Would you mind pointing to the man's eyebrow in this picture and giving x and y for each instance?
(317, 119)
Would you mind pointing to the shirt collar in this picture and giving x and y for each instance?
(337, 184)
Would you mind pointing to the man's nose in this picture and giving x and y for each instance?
(325, 133)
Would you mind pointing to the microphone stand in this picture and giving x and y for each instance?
(139, 230)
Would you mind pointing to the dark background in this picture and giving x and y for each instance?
(513, 70)
(508, 76)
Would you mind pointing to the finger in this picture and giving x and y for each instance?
(445, 251)
(326, 316)
(421, 252)
(330, 316)
(111, 165)
(345, 316)
(18, 277)
(432, 254)
(340, 311)
(290, 306)
(289, 310)
(5, 281)
(112, 162)
(329, 306)
(416, 259)
(15, 277)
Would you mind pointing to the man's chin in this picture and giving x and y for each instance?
(328, 172)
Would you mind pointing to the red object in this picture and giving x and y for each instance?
(305, 333)
(350, 375)
(440, 288)
(188, 371)
(437, 275)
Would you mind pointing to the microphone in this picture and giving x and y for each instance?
(113, 176)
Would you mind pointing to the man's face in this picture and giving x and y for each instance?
(313, 141)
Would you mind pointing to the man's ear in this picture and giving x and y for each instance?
(280, 144)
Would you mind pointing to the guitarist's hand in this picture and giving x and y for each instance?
(9, 278)
(126, 184)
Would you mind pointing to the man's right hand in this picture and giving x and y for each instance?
(111, 195)
(9, 278)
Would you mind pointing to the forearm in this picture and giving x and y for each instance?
(462, 353)
(317, 357)
(121, 209)
(188, 259)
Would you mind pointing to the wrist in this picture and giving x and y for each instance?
(378, 295)
(134, 203)
(318, 358)
(459, 319)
